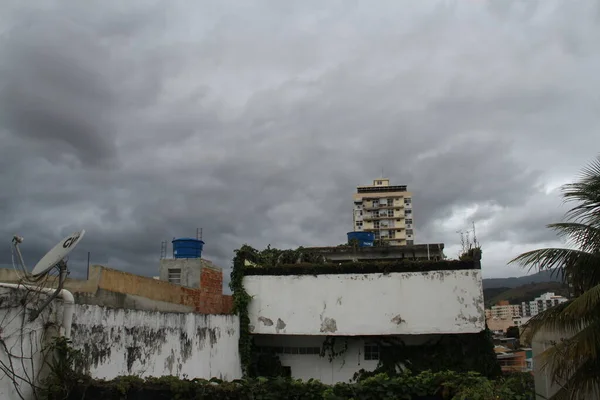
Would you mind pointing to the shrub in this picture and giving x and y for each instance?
(427, 385)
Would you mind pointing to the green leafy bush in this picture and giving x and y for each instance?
(427, 385)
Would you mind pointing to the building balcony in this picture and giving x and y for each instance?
(379, 217)
(382, 207)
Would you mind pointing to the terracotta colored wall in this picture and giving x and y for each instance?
(227, 304)
(209, 299)
(516, 363)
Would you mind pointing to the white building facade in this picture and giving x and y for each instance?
(541, 303)
(294, 314)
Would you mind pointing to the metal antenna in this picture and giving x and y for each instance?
(63, 272)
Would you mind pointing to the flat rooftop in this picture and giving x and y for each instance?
(365, 267)
(381, 189)
(378, 249)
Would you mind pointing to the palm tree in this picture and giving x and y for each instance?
(574, 363)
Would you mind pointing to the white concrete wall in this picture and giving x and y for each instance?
(24, 344)
(367, 304)
(128, 342)
(340, 369)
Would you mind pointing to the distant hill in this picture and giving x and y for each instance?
(544, 276)
(522, 293)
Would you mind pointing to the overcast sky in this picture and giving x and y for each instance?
(140, 121)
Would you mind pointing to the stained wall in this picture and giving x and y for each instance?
(118, 342)
(24, 344)
(367, 304)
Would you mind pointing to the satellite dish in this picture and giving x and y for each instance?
(60, 251)
(54, 258)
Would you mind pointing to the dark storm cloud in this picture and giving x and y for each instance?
(142, 121)
(55, 93)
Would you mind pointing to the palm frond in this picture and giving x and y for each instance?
(585, 237)
(578, 267)
(582, 384)
(587, 193)
(565, 357)
(550, 259)
(585, 306)
(553, 320)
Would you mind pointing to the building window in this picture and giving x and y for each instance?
(175, 275)
(410, 242)
(376, 224)
(392, 233)
(287, 350)
(371, 351)
(408, 212)
(407, 201)
(409, 231)
(379, 182)
(408, 221)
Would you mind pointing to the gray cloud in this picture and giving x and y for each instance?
(142, 121)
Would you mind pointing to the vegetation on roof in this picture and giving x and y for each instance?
(363, 267)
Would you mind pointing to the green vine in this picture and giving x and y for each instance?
(62, 363)
(328, 348)
(460, 352)
(248, 259)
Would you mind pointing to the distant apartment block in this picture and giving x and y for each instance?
(539, 304)
(504, 310)
(386, 211)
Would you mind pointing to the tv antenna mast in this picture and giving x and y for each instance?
(54, 259)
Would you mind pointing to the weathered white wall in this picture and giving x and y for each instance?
(129, 342)
(340, 369)
(24, 344)
(367, 304)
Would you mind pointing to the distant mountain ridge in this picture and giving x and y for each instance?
(543, 276)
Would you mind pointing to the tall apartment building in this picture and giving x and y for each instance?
(385, 210)
(539, 304)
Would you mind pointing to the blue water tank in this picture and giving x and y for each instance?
(365, 239)
(187, 248)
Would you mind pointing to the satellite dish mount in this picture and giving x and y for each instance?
(55, 258)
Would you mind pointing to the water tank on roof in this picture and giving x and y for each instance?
(365, 239)
(187, 248)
